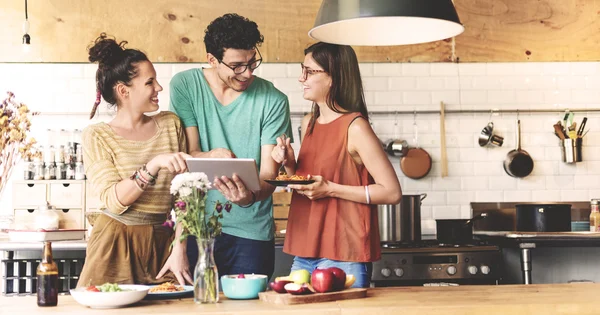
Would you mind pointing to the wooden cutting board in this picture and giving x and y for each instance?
(288, 299)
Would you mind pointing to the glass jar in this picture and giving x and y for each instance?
(47, 219)
(594, 216)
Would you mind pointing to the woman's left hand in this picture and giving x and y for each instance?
(179, 265)
(317, 190)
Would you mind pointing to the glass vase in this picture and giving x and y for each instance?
(206, 276)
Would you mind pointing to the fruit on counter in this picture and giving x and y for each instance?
(241, 276)
(279, 285)
(339, 278)
(322, 280)
(297, 276)
(299, 289)
(350, 279)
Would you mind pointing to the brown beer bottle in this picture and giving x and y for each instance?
(47, 279)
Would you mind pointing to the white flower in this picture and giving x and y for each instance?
(184, 191)
(182, 184)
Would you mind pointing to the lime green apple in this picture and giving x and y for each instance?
(297, 276)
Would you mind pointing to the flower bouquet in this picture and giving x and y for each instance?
(190, 191)
(14, 144)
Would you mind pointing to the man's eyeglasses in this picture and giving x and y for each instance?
(307, 71)
(239, 69)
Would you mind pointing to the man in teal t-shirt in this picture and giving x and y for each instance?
(228, 112)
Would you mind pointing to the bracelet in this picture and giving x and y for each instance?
(138, 185)
(134, 177)
(367, 194)
(152, 179)
(145, 170)
(252, 202)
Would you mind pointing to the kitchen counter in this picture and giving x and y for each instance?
(504, 299)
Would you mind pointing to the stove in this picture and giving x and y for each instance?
(431, 263)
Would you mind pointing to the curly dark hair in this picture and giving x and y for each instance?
(231, 31)
(115, 64)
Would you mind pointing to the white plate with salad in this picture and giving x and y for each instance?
(110, 295)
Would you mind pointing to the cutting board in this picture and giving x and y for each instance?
(288, 299)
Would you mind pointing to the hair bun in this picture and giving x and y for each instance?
(106, 50)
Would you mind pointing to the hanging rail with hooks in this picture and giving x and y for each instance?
(473, 111)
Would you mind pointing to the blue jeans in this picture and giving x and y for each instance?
(362, 271)
(235, 255)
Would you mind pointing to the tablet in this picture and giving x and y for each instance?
(245, 168)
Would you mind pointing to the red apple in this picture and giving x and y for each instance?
(322, 280)
(339, 278)
(279, 286)
(297, 289)
(241, 276)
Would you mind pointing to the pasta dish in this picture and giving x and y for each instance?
(290, 177)
(165, 287)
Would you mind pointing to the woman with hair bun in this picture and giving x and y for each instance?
(130, 162)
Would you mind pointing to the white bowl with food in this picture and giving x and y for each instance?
(110, 295)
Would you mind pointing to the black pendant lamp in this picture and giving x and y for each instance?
(385, 22)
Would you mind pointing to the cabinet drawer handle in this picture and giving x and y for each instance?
(30, 210)
(65, 210)
(66, 184)
(30, 185)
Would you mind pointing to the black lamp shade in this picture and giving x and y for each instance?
(385, 22)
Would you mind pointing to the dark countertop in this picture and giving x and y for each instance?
(557, 239)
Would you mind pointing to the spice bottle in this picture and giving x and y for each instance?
(47, 279)
(594, 216)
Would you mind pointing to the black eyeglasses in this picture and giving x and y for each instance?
(306, 71)
(239, 69)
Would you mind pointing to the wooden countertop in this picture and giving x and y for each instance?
(544, 299)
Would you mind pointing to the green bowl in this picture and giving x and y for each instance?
(243, 288)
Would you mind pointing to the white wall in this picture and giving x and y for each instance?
(476, 173)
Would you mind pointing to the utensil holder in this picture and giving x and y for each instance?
(571, 150)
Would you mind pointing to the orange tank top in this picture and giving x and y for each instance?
(332, 228)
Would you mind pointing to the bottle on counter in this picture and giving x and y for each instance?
(47, 279)
(29, 168)
(595, 216)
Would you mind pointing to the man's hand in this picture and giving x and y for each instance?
(234, 190)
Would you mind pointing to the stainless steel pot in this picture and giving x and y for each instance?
(401, 222)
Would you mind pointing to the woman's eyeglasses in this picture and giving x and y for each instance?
(307, 71)
(239, 69)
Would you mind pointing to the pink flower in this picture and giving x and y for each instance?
(180, 205)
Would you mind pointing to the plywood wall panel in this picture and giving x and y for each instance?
(173, 30)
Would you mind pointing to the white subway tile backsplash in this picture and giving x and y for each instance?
(431, 83)
(475, 173)
(574, 195)
(501, 68)
(415, 69)
(416, 98)
(473, 97)
(517, 195)
(444, 69)
(387, 69)
(472, 69)
(375, 83)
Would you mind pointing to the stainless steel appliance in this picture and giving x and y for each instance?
(431, 263)
(401, 222)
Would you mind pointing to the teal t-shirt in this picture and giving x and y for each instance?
(256, 118)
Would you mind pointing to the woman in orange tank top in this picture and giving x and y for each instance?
(333, 221)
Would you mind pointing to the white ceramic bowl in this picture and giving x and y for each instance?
(110, 299)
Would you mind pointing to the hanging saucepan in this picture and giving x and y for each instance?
(456, 231)
(518, 162)
(417, 162)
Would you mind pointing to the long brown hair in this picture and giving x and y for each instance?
(346, 92)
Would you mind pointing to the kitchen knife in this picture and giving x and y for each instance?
(581, 127)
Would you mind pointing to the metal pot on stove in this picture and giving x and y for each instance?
(456, 231)
(401, 222)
